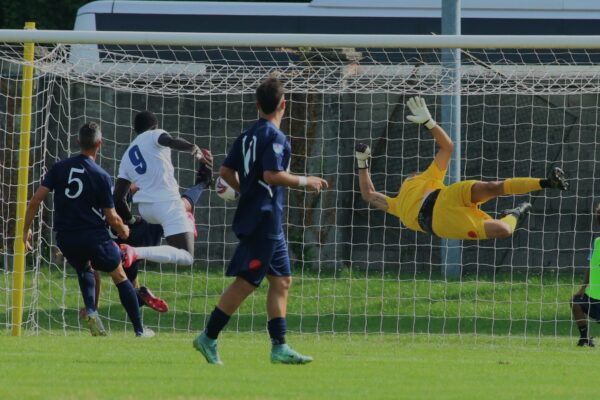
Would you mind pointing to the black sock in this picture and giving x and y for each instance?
(132, 272)
(193, 194)
(545, 183)
(583, 331)
(87, 285)
(277, 328)
(141, 302)
(217, 321)
(129, 299)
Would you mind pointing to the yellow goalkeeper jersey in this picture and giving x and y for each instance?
(407, 204)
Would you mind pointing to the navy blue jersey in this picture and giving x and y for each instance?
(81, 190)
(261, 148)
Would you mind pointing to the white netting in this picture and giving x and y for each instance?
(356, 270)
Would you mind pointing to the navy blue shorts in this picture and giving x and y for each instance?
(590, 306)
(82, 248)
(256, 257)
(143, 234)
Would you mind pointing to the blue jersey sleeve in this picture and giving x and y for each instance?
(49, 180)
(105, 197)
(233, 157)
(274, 156)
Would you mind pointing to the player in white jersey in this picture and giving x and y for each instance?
(147, 164)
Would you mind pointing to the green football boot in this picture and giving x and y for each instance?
(208, 348)
(284, 354)
(95, 324)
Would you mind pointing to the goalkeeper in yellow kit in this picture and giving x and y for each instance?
(425, 204)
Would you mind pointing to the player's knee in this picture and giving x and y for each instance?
(285, 282)
(504, 230)
(280, 283)
(118, 275)
(498, 230)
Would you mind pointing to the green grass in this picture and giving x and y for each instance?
(345, 367)
(502, 304)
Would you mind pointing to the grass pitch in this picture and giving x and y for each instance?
(428, 349)
(345, 367)
(502, 304)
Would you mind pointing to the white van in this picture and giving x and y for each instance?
(498, 17)
(517, 17)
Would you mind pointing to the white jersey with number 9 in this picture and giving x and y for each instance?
(148, 164)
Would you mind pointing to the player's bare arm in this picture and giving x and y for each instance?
(180, 144)
(122, 187)
(283, 178)
(444, 154)
(115, 222)
(367, 189)
(421, 115)
(32, 209)
(230, 176)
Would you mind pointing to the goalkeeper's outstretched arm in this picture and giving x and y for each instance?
(367, 189)
(421, 115)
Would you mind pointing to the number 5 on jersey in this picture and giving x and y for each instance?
(75, 180)
(136, 158)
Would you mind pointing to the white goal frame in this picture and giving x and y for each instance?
(90, 38)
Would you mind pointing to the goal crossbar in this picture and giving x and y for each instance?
(299, 40)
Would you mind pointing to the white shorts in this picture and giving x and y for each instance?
(170, 214)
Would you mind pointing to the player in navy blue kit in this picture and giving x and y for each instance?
(257, 167)
(144, 234)
(83, 204)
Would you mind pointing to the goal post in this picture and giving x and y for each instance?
(527, 103)
(22, 185)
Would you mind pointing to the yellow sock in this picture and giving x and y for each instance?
(521, 185)
(511, 220)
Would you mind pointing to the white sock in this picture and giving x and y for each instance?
(165, 254)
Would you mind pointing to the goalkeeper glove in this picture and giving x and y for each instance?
(363, 153)
(420, 113)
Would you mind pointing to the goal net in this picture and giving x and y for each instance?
(355, 269)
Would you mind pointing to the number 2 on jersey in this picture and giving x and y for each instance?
(135, 155)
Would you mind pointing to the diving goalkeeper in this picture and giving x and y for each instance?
(425, 204)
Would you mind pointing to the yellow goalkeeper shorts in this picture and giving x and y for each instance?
(455, 216)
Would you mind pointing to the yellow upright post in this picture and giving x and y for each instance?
(23, 182)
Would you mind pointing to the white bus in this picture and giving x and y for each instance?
(479, 17)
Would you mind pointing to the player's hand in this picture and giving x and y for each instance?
(316, 184)
(27, 239)
(203, 155)
(420, 112)
(123, 232)
(363, 153)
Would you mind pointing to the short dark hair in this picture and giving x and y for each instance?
(269, 94)
(89, 136)
(144, 121)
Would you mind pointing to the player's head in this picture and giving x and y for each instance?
(269, 96)
(144, 121)
(90, 136)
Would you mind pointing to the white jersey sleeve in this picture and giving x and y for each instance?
(148, 164)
